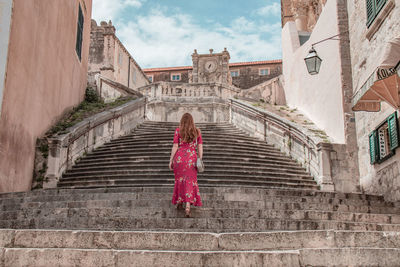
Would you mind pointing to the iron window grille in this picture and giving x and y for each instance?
(384, 140)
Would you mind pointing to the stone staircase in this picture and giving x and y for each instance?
(110, 211)
(231, 159)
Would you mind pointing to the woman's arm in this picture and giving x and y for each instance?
(200, 151)
(173, 151)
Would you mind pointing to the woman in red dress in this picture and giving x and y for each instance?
(183, 162)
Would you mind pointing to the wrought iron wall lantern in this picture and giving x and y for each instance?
(313, 61)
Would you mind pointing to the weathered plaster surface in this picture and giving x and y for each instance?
(44, 79)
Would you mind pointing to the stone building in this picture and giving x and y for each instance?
(242, 74)
(109, 59)
(43, 74)
(375, 45)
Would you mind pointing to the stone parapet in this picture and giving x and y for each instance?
(110, 90)
(89, 134)
(271, 91)
(312, 152)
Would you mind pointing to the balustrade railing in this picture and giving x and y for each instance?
(312, 152)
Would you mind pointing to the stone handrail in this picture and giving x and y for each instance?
(110, 90)
(162, 90)
(89, 134)
(270, 91)
(298, 142)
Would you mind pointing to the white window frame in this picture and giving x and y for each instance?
(261, 69)
(238, 73)
(150, 77)
(176, 74)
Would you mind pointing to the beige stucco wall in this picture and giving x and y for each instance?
(44, 79)
(318, 96)
(5, 21)
(383, 178)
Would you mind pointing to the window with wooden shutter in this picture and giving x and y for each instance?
(370, 11)
(373, 147)
(79, 33)
(380, 4)
(393, 131)
(373, 8)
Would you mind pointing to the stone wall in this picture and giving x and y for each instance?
(45, 79)
(89, 134)
(249, 75)
(366, 46)
(109, 58)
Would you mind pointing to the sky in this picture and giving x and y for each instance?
(164, 33)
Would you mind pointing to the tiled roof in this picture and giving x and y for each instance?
(255, 62)
(168, 69)
(230, 65)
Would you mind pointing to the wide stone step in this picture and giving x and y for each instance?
(227, 192)
(168, 182)
(211, 173)
(208, 148)
(291, 167)
(222, 159)
(211, 165)
(211, 152)
(195, 241)
(18, 257)
(217, 176)
(80, 210)
(207, 155)
(129, 223)
(163, 200)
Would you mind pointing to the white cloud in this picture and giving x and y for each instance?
(273, 9)
(159, 40)
(109, 9)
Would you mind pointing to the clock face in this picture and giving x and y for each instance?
(210, 66)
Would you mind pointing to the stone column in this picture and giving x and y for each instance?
(325, 174)
(195, 72)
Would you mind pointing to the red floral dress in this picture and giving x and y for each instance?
(184, 165)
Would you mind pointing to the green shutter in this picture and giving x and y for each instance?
(393, 131)
(373, 151)
(79, 33)
(379, 5)
(371, 11)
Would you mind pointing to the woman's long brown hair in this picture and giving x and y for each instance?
(187, 129)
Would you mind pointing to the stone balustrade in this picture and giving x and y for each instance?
(110, 90)
(173, 90)
(292, 139)
(89, 134)
(168, 101)
(270, 91)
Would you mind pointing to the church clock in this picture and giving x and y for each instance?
(210, 68)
